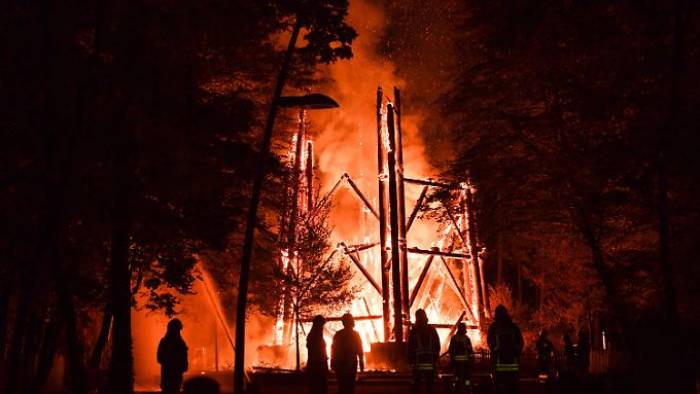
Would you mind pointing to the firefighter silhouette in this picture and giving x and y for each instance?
(172, 357)
(584, 352)
(346, 351)
(506, 344)
(461, 352)
(545, 356)
(317, 362)
(423, 352)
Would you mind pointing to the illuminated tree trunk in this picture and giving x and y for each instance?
(4, 306)
(31, 344)
(663, 210)
(121, 363)
(47, 354)
(74, 347)
(520, 281)
(18, 331)
(679, 33)
(101, 343)
(296, 335)
(259, 176)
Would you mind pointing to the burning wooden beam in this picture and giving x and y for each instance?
(421, 278)
(417, 207)
(439, 253)
(401, 207)
(309, 176)
(455, 287)
(394, 227)
(339, 318)
(474, 251)
(430, 182)
(361, 247)
(360, 195)
(381, 202)
(361, 267)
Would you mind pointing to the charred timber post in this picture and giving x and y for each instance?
(292, 218)
(463, 230)
(309, 176)
(466, 193)
(476, 253)
(405, 307)
(394, 225)
(381, 206)
(296, 181)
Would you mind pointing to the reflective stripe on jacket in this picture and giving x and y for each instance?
(423, 347)
(513, 367)
(460, 348)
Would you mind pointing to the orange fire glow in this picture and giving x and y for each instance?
(345, 141)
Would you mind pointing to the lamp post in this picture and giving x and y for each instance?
(312, 101)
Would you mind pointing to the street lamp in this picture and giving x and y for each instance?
(308, 101)
(311, 101)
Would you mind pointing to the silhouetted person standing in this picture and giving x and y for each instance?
(346, 350)
(569, 352)
(172, 357)
(460, 355)
(506, 344)
(584, 352)
(567, 381)
(317, 362)
(423, 352)
(545, 354)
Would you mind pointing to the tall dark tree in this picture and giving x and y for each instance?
(556, 115)
(129, 130)
(328, 39)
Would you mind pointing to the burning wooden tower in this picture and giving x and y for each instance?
(445, 278)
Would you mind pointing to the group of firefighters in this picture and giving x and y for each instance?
(504, 340)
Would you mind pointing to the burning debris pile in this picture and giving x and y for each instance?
(439, 270)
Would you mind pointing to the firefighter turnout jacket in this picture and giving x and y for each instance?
(460, 349)
(423, 347)
(506, 344)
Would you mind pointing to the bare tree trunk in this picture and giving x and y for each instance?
(677, 368)
(597, 258)
(679, 34)
(4, 307)
(31, 344)
(101, 343)
(121, 363)
(121, 366)
(18, 331)
(520, 281)
(296, 335)
(47, 354)
(74, 346)
(241, 306)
